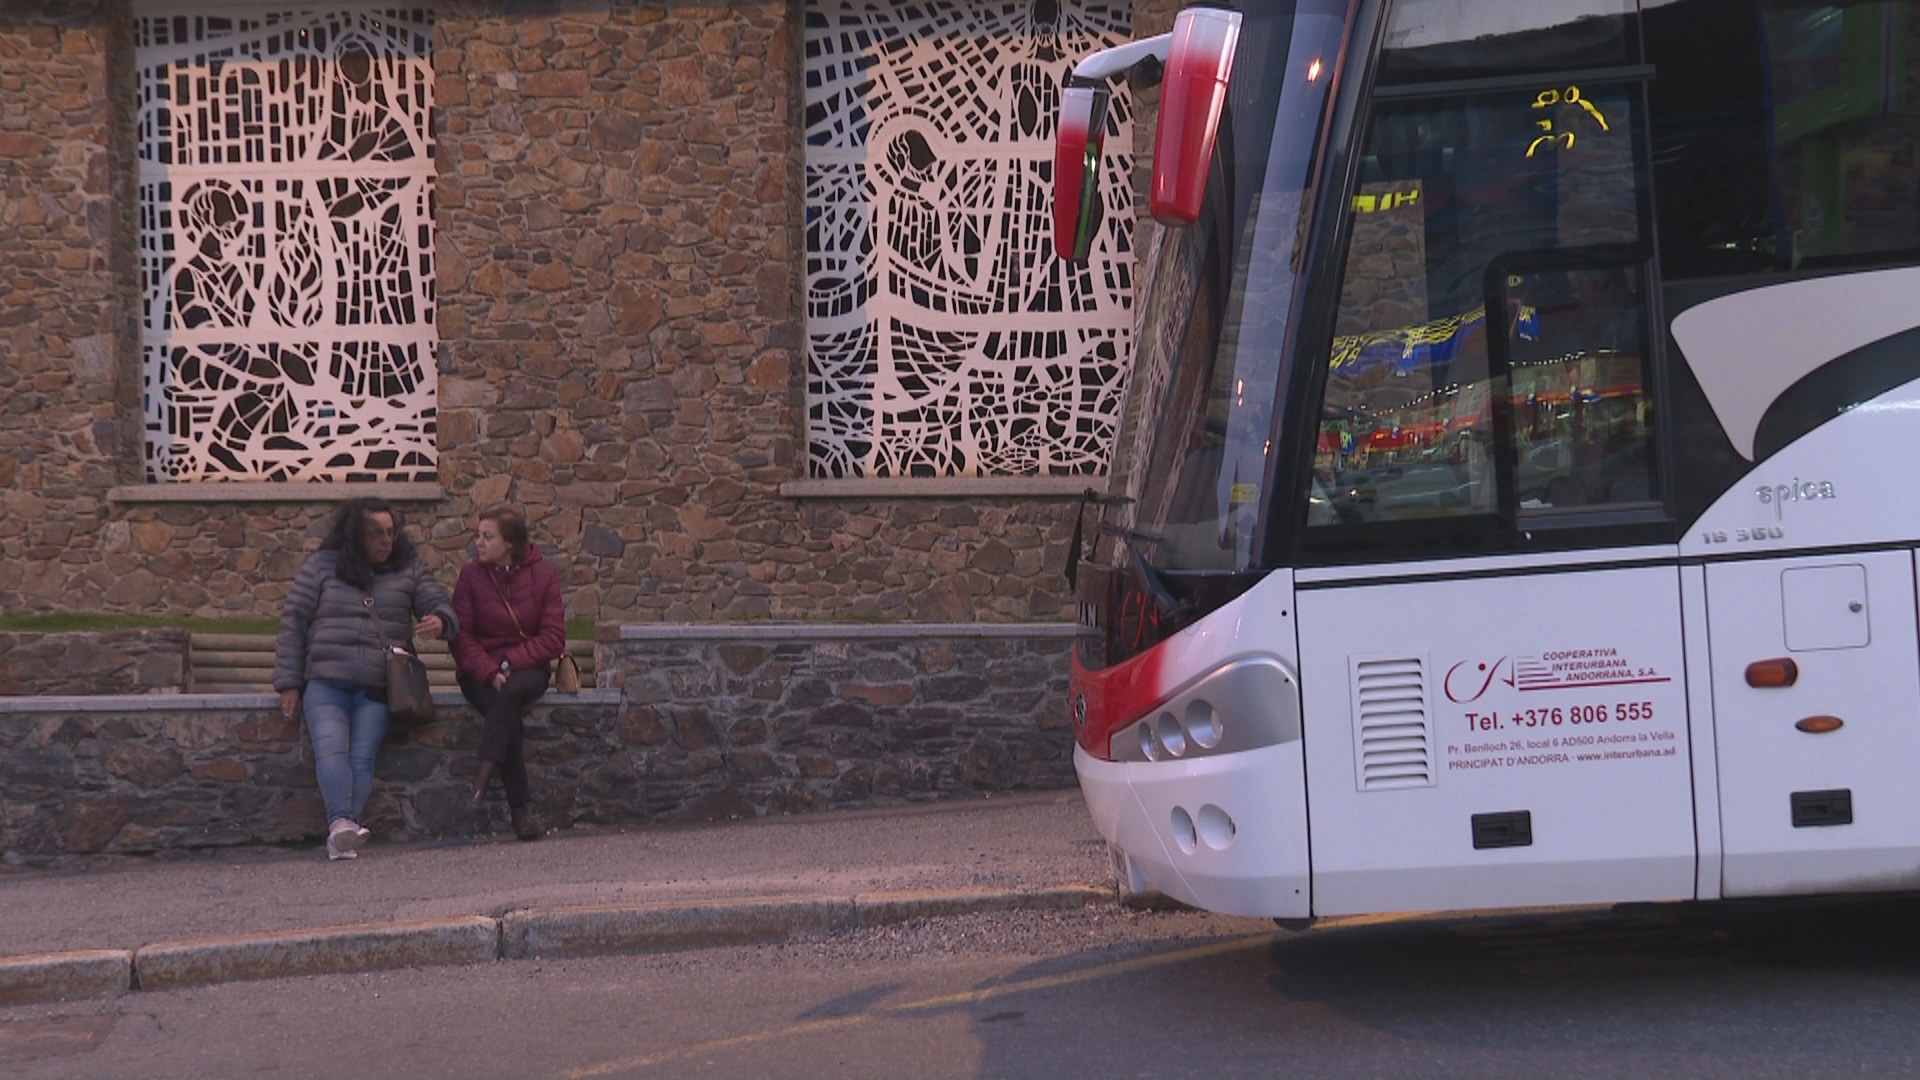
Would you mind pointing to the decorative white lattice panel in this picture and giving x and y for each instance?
(943, 336)
(286, 243)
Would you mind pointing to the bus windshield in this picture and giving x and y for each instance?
(1221, 300)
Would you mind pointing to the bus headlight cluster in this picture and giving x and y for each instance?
(1241, 705)
(1170, 736)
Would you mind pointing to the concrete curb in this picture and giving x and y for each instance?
(596, 931)
(57, 976)
(474, 939)
(171, 965)
(882, 908)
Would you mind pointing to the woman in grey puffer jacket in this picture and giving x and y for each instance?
(328, 661)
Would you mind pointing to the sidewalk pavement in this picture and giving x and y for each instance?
(114, 926)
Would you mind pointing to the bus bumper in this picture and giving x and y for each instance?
(1226, 833)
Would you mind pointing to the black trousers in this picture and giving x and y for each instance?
(503, 735)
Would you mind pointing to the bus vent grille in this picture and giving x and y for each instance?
(1393, 740)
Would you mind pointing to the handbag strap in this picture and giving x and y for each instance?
(378, 630)
(488, 574)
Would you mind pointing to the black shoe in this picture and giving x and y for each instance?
(523, 826)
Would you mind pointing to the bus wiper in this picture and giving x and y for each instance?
(1074, 554)
(1163, 599)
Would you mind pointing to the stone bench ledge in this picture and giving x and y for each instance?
(125, 703)
(843, 631)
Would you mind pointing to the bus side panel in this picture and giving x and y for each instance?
(1553, 711)
(1847, 482)
(1808, 811)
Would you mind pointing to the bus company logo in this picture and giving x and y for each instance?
(1778, 495)
(1139, 620)
(1468, 681)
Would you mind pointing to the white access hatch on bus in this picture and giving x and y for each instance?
(1817, 765)
(1554, 714)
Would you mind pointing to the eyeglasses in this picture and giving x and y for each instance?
(375, 532)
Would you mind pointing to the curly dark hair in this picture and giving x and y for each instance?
(344, 536)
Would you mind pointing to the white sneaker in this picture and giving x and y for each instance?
(343, 837)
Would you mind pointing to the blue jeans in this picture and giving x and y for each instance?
(346, 727)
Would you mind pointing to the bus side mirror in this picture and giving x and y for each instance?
(1077, 210)
(1192, 96)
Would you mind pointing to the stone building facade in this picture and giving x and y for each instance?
(620, 264)
(619, 251)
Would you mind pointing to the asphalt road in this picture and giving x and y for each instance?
(1809, 989)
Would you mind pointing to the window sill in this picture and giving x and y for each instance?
(944, 487)
(256, 492)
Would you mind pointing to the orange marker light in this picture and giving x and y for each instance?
(1819, 725)
(1766, 674)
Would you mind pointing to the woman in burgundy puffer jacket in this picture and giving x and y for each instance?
(512, 626)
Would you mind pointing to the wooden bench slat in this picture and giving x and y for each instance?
(243, 663)
(262, 643)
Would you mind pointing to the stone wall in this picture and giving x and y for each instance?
(132, 775)
(95, 662)
(68, 418)
(793, 720)
(781, 720)
(619, 240)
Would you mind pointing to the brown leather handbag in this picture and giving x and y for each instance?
(566, 674)
(409, 697)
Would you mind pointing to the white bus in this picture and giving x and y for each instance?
(1517, 501)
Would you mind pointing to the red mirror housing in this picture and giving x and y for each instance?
(1082, 135)
(1192, 97)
